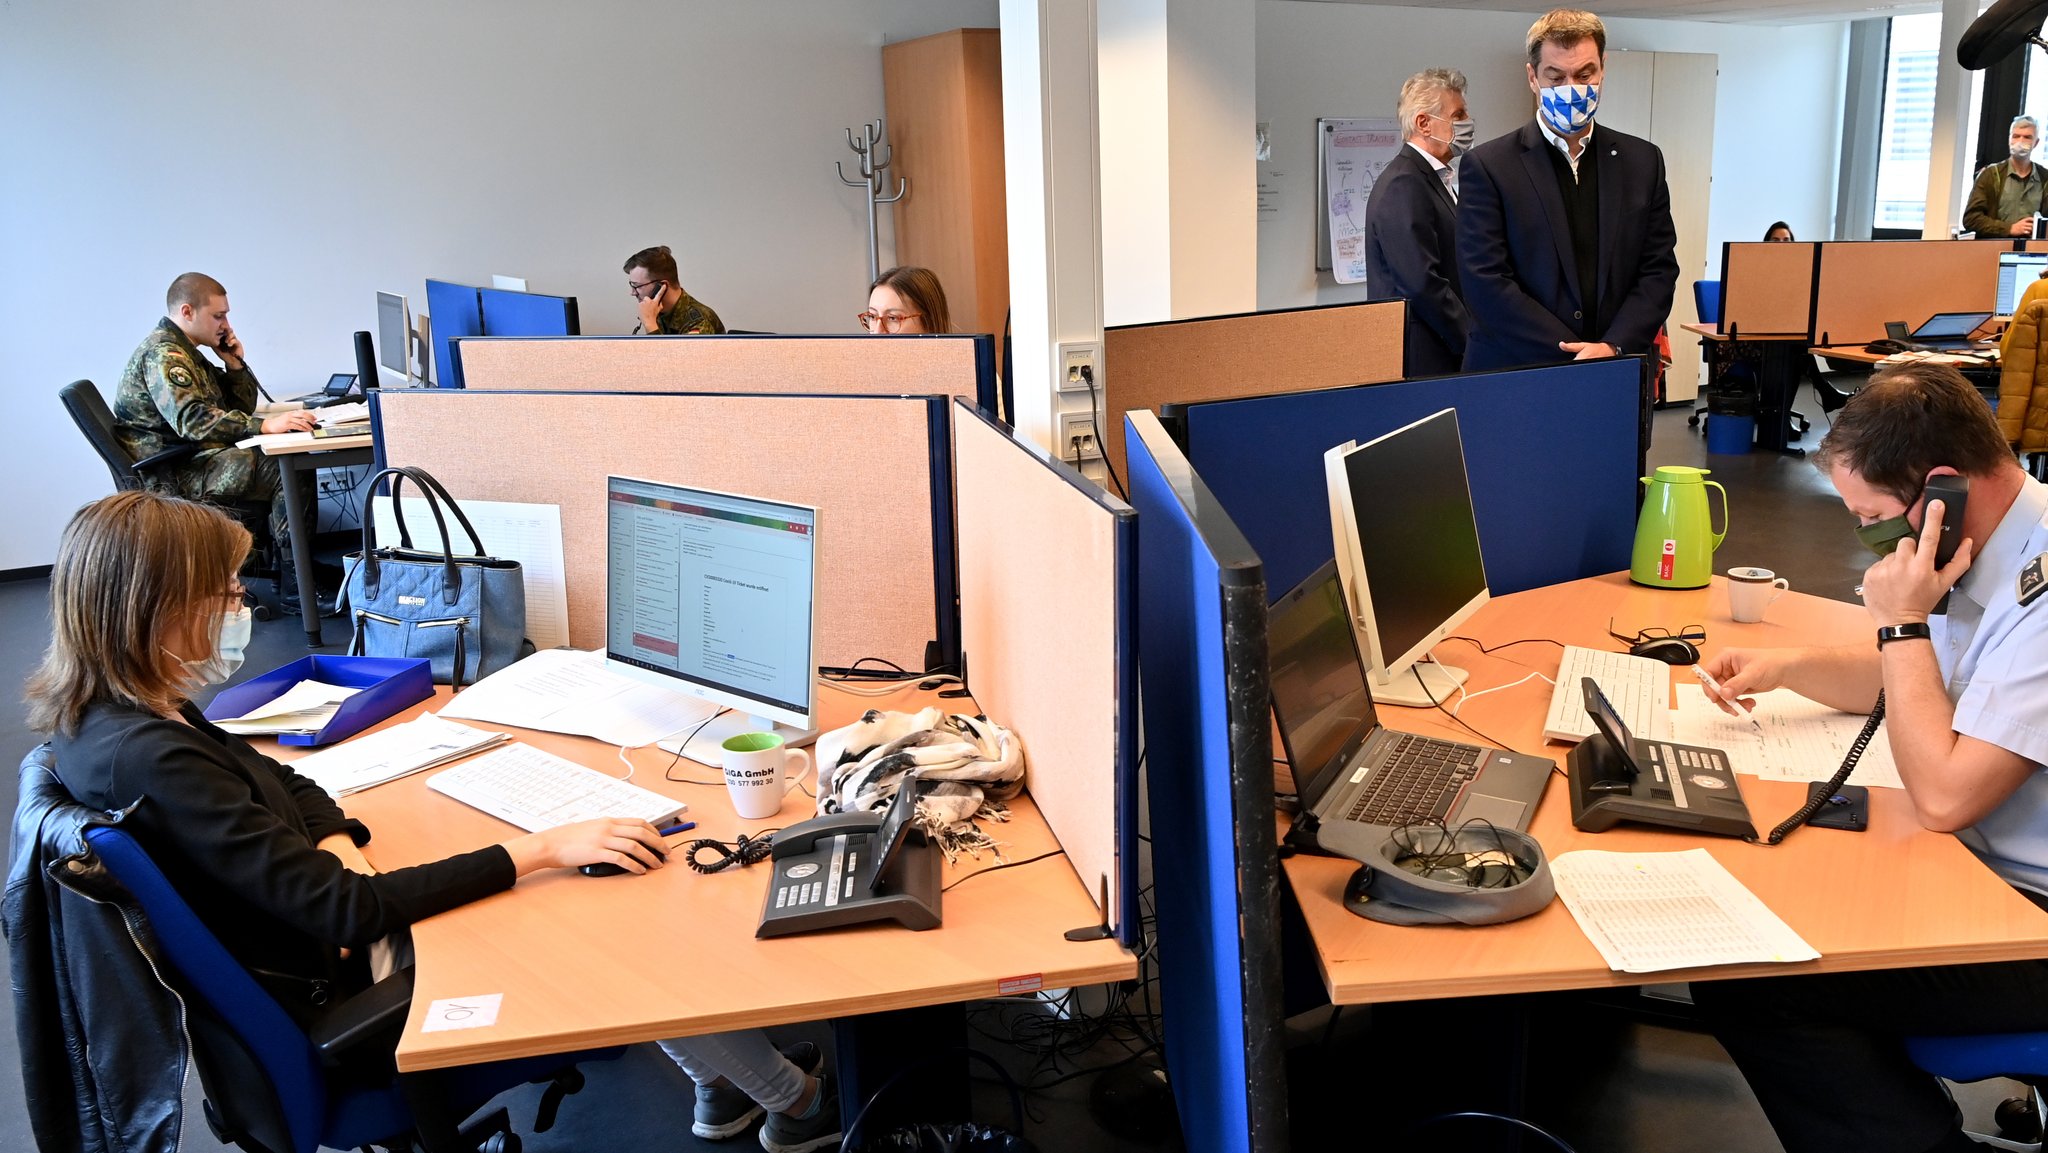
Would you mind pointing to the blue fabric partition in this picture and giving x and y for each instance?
(527, 313)
(455, 311)
(1554, 455)
(1209, 776)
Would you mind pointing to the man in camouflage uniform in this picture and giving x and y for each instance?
(665, 308)
(171, 395)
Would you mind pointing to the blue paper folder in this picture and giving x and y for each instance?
(388, 684)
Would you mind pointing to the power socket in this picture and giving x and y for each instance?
(1077, 444)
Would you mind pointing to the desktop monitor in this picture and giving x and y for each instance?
(2016, 272)
(1407, 548)
(394, 339)
(527, 314)
(714, 595)
(457, 312)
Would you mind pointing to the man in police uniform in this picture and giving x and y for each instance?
(1966, 699)
(170, 395)
(665, 309)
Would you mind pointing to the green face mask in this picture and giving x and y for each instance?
(1883, 537)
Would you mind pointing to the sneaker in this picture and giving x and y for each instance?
(723, 1111)
(785, 1134)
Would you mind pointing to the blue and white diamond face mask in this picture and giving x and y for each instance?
(1567, 108)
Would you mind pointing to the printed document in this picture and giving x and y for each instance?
(388, 754)
(306, 707)
(1800, 741)
(568, 691)
(1649, 912)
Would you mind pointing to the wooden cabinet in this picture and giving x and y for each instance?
(943, 96)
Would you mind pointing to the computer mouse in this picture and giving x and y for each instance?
(602, 869)
(1670, 650)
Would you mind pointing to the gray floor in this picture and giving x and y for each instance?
(1612, 1081)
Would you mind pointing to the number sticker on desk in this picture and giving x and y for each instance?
(462, 1013)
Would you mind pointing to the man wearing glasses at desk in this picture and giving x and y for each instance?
(1967, 717)
(665, 308)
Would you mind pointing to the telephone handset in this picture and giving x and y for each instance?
(849, 868)
(1954, 494)
(1818, 796)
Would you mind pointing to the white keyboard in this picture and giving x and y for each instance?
(1639, 688)
(538, 791)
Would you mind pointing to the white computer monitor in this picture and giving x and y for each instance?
(714, 595)
(1407, 547)
(394, 339)
(2016, 272)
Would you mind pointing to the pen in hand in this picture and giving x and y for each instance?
(1714, 687)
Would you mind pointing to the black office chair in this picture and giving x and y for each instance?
(95, 422)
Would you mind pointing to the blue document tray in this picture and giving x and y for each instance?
(389, 685)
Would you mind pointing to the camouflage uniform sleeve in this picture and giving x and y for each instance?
(193, 401)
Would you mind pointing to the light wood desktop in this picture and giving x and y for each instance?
(585, 962)
(1891, 897)
(1709, 332)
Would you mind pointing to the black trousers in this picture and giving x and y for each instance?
(1826, 1054)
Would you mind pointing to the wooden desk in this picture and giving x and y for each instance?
(1893, 897)
(585, 962)
(1777, 362)
(292, 460)
(1713, 333)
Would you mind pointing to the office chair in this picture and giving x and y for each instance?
(95, 422)
(2020, 1056)
(273, 1085)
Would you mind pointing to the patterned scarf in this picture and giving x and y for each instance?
(968, 765)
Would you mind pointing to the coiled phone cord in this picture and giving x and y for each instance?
(746, 851)
(1835, 783)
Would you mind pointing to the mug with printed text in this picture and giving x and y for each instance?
(1751, 591)
(755, 772)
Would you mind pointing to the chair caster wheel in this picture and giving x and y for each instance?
(500, 1143)
(261, 612)
(2016, 1120)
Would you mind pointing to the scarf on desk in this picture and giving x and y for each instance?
(968, 767)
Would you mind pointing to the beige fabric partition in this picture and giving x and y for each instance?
(1216, 358)
(1767, 287)
(866, 365)
(875, 541)
(1041, 594)
(1864, 283)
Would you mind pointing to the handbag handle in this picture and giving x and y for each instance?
(425, 479)
(451, 580)
(850, 1141)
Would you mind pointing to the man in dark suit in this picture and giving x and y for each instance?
(1411, 223)
(1565, 241)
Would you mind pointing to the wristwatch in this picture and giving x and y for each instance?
(1911, 630)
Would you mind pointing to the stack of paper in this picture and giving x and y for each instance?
(1794, 739)
(565, 691)
(354, 412)
(306, 707)
(387, 755)
(1648, 912)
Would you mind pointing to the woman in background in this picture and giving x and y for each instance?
(906, 299)
(1778, 231)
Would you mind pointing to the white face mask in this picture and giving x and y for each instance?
(1463, 133)
(2020, 151)
(236, 626)
(1566, 108)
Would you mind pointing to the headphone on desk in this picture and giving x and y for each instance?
(1429, 874)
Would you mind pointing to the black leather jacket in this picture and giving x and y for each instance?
(104, 1045)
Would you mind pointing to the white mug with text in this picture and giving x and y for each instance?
(755, 777)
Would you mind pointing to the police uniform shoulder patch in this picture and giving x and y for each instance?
(2033, 579)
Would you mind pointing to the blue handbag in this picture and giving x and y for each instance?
(464, 614)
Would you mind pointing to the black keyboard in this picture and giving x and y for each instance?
(1419, 782)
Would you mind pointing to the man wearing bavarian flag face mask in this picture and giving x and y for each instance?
(1966, 716)
(1565, 240)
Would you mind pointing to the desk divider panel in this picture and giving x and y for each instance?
(820, 365)
(1251, 354)
(1767, 287)
(885, 564)
(1048, 570)
(1209, 774)
(1862, 284)
(1552, 454)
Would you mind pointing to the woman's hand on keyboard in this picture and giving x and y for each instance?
(631, 845)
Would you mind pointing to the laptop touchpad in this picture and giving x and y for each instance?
(1499, 810)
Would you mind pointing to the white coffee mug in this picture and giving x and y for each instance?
(1751, 591)
(754, 772)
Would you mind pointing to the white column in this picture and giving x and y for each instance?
(1946, 175)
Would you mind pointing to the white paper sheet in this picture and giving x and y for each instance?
(1800, 741)
(1650, 912)
(306, 707)
(388, 754)
(567, 691)
(354, 412)
(528, 533)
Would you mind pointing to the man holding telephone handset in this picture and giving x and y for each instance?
(1959, 601)
(171, 395)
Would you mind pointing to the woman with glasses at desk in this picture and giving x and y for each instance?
(906, 300)
(146, 613)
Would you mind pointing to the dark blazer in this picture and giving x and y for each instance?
(1515, 260)
(1411, 252)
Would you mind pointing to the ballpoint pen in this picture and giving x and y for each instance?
(672, 830)
(1714, 687)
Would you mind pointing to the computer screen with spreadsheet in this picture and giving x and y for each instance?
(713, 594)
(2017, 270)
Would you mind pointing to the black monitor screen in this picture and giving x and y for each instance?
(1950, 325)
(1417, 540)
(1319, 693)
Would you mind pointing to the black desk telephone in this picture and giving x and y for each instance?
(849, 868)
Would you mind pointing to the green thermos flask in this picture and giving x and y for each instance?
(1675, 537)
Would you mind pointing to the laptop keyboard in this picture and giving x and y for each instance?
(1419, 781)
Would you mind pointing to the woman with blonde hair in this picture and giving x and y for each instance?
(906, 299)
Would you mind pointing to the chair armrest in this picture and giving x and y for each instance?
(170, 455)
(367, 1024)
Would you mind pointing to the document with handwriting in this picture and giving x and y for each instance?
(1800, 741)
(1649, 912)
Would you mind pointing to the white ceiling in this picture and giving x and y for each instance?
(1715, 11)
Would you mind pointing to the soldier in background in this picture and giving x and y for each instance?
(665, 309)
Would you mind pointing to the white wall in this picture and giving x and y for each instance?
(1777, 116)
(310, 155)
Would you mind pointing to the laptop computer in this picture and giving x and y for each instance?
(1356, 778)
(1947, 331)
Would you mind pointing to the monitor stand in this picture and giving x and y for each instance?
(1406, 686)
(704, 745)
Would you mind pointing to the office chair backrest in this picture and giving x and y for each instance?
(89, 411)
(206, 970)
(1706, 301)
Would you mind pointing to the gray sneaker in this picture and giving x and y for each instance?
(723, 1111)
(785, 1134)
